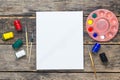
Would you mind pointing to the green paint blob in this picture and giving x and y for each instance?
(94, 15)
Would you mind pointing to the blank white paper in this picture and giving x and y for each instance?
(59, 40)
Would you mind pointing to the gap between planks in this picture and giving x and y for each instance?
(6, 17)
(52, 71)
(29, 16)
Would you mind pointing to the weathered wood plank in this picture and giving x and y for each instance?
(90, 5)
(9, 62)
(58, 76)
(112, 52)
(27, 7)
(6, 24)
(22, 8)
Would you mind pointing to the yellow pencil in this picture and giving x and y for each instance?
(92, 62)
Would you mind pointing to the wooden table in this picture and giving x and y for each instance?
(13, 69)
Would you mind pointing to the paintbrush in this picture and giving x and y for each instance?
(92, 62)
(31, 42)
(26, 35)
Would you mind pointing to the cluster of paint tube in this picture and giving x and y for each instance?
(103, 56)
(18, 43)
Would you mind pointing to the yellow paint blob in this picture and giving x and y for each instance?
(90, 21)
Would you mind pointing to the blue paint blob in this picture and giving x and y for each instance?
(95, 35)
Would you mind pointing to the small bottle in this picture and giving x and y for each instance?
(103, 58)
(7, 36)
(20, 54)
(18, 25)
(96, 48)
(17, 44)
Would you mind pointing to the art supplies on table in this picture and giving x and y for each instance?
(59, 44)
(102, 25)
(16, 46)
(18, 43)
(59, 40)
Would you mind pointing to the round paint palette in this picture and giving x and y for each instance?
(102, 25)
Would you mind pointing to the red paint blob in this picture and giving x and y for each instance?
(90, 29)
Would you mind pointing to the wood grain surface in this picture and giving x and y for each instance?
(27, 7)
(57, 76)
(24, 10)
(6, 24)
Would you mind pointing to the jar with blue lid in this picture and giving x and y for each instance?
(96, 48)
